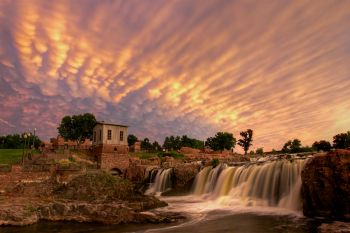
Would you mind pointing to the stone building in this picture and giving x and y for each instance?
(136, 147)
(60, 143)
(110, 143)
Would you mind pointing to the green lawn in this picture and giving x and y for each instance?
(13, 156)
(10, 156)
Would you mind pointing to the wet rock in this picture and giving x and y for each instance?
(326, 185)
(113, 213)
(17, 215)
(335, 227)
(184, 175)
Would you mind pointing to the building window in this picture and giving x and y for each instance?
(109, 134)
(121, 135)
(94, 136)
(100, 138)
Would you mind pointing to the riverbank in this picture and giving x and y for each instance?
(93, 197)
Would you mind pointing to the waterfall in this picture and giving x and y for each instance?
(161, 181)
(273, 183)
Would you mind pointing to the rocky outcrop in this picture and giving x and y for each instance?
(82, 211)
(184, 175)
(334, 227)
(91, 197)
(326, 185)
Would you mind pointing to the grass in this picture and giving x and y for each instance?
(148, 155)
(11, 156)
(174, 154)
(144, 155)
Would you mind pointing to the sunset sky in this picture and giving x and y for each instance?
(178, 67)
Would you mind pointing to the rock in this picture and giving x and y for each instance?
(91, 197)
(184, 174)
(17, 215)
(112, 213)
(142, 203)
(189, 150)
(326, 185)
(335, 227)
(160, 217)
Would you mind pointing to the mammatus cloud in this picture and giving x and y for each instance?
(178, 67)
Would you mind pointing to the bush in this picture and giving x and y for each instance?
(260, 151)
(100, 186)
(174, 154)
(215, 162)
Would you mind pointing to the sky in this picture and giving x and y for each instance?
(194, 67)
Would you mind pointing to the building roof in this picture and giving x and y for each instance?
(105, 123)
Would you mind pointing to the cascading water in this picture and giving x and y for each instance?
(274, 183)
(161, 181)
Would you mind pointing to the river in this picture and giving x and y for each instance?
(203, 216)
(240, 199)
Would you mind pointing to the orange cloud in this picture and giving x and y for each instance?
(165, 67)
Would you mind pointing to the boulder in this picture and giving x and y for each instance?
(326, 185)
(184, 174)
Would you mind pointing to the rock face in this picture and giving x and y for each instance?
(81, 211)
(91, 197)
(185, 174)
(326, 185)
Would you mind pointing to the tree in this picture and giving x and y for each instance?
(77, 127)
(342, 140)
(260, 151)
(292, 146)
(191, 142)
(131, 139)
(176, 142)
(221, 141)
(246, 141)
(167, 144)
(322, 145)
(156, 146)
(146, 145)
(16, 141)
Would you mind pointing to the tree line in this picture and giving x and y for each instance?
(19, 141)
(79, 127)
(226, 141)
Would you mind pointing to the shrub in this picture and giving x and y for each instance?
(215, 162)
(95, 186)
(260, 151)
(174, 154)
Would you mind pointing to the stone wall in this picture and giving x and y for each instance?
(120, 149)
(108, 161)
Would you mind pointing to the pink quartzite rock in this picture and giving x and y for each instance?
(326, 185)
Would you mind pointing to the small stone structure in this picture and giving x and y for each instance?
(110, 145)
(60, 143)
(136, 147)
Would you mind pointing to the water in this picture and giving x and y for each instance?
(274, 183)
(161, 181)
(243, 199)
(203, 216)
